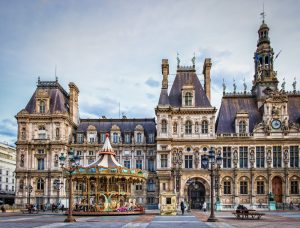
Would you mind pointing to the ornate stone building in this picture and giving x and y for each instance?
(257, 134)
(50, 125)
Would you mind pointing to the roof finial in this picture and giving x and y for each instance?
(245, 86)
(234, 86)
(39, 79)
(193, 60)
(56, 78)
(283, 85)
(178, 60)
(263, 14)
(294, 85)
(224, 87)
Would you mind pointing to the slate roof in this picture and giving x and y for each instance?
(184, 78)
(125, 125)
(294, 108)
(230, 106)
(59, 98)
(164, 97)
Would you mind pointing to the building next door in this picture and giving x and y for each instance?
(277, 189)
(196, 195)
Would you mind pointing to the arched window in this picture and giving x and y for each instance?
(196, 127)
(23, 133)
(175, 128)
(164, 126)
(242, 127)
(204, 127)
(188, 98)
(40, 184)
(139, 138)
(188, 127)
(115, 137)
(57, 133)
(243, 187)
(227, 187)
(42, 107)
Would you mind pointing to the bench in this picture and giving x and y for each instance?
(248, 214)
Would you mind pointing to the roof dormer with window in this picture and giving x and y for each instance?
(188, 96)
(242, 122)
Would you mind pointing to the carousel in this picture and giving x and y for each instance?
(104, 186)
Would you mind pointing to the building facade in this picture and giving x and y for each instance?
(256, 133)
(7, 173)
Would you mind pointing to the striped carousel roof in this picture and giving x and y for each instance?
(106, 156)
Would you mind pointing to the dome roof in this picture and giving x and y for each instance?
(263, 26)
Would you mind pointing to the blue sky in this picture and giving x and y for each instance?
(112, 50)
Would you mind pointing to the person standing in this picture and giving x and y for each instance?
(182, 207)
(204, 206)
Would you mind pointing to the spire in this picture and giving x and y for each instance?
(164, 98)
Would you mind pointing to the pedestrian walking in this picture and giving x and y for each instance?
(62, 207)
(182, 207)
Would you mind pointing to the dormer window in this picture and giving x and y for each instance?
(127, 138)
(42, 107)
(242, 127)
(151, 138)
(164, 126)
(188, 99)
(42, 132)
(80, 138)
(139, 138)
(204, 127)
(115, 138)
(188, 127)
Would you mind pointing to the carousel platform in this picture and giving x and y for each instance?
(106, 213)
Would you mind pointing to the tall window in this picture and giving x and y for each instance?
(188, 127)
(227, 187)
(294, 156)
(115, 138)
(276, 156)
(188, 161)
(151, 185)
(204, 127)
(260, 157)
(139, 164)
(41, 162)
(175, 128)
(164, 126)
(151, 138)
(164, 160)
(80, 138)
(151, 165)
(226, 157)
(42, 107)
(188, 98)
(23, 133)
(242, 127)
(102, 137)
(260, 187)
(42, 132)
(243, 187)
(40, 184)
(127, 164)
(243, 157)
(127, 138)
(294, 187)
(139, 138)
(57, 133)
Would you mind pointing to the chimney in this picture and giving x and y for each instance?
(206, 73)
(165, 73)
(73, 91)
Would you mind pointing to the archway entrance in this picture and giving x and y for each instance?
(277, 189)
(196, 194)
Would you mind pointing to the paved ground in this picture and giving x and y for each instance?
(189, 220)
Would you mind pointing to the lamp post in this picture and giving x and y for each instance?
(29, 189)
(72, 163)
(211, 159)
(57, 185)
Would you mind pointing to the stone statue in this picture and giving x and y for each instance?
(193, 60)
(283, 85)
(178, 60)
(234, 86)
(224, 86)
(294, 85)
(245, 86)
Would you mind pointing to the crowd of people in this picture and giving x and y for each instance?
(55, 207)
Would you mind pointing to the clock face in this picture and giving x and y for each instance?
(276, 124)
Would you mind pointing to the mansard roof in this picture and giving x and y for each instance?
(230, 105)
(294, 108)
(164, 97)
(187, 76)
(125, 125)
(59, 98)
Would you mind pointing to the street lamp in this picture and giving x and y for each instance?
(206, 160)
(57, 185)
(72, 163)
(29, 189)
